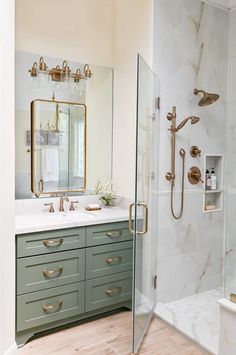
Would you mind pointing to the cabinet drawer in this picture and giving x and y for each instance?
(108, 233)
(50, 241)
(108, 259)
(42, 307)
(108, 290)
(45, 271)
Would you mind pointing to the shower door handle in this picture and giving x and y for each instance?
(145, 228)
(130, 218)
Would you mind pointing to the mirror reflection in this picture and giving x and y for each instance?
(58, 146)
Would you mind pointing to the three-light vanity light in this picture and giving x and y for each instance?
(60, 74)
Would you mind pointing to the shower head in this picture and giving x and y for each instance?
(207, 99)
(193, 120)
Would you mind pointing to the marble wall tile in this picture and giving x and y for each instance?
(190, 50)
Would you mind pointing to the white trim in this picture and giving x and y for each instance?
(12, 350)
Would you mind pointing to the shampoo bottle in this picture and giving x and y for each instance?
(213, 179)
(208, 180)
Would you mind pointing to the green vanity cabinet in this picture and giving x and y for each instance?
(67, 275)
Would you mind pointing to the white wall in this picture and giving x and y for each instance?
(133, 34)
(7, 242)
(78, 30)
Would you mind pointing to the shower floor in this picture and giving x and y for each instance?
(196, 316)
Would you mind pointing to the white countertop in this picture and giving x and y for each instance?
(42, 221)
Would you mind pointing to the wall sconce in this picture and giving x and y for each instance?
(60, 74)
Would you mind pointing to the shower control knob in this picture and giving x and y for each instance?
(195, 151)
(195, 175)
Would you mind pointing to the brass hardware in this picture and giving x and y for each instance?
(130, 218)
(114, 234)
(34, 70)
(232, 298)
(170, 176)
(113, 291)
(60, 73)
(42, 64)
(53, 242)
(194, 175)
(195, 151)
(207, 99)
(51, 209)
(145, 229)
(50, 274)
(61, 205)
(52, 308)
(33, 148)
(87, 71)
(72, 207)
(40, 187)
(116, 260)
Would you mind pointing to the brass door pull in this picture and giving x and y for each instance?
(130, 218)
(195, 175)
(52, 308)
(113, 291)
(114, 234)
(53, 243)
(114, 261)
(145, 229)
(50, 274)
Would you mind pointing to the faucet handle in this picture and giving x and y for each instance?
(72, 207)
(51, 209)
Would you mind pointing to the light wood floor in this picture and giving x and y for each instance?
(111, 336)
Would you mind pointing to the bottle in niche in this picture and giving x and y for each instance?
(208, 180)
(213, 179)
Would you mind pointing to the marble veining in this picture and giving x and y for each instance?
(196, 316)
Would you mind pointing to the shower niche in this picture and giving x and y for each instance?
(213, 198)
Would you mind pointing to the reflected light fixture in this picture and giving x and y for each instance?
(60, 74)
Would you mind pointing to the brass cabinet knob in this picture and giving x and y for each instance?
(195, 151)
(195, 175)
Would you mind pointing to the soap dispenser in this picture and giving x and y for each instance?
(208, 180)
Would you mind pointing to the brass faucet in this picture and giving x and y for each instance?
(61, 206)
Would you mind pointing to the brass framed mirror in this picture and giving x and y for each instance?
(58, 147)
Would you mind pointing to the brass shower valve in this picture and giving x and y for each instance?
(195, 151)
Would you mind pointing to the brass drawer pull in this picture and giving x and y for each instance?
(113, 291)
(116, 260)
(52, 308)
(50, 274)
(53, 242)
(114, 234)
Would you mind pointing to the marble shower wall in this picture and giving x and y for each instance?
(190, 50)
(230, 262)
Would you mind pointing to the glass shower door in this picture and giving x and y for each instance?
(145, 205)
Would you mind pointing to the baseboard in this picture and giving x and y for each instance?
(12, 350)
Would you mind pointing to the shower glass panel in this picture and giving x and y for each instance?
(230, 256)
(145, 249)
